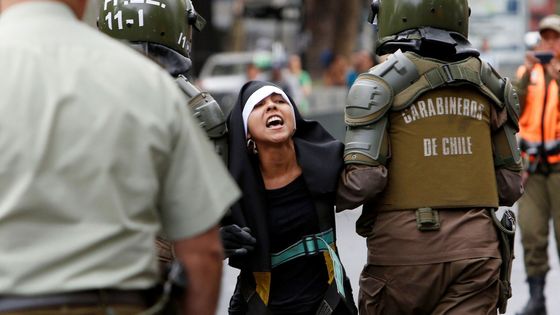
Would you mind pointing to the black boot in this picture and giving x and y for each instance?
(536, 304)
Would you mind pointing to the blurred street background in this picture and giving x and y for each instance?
(255, 39)
(247, 39)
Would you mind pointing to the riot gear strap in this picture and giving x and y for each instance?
(435, 74)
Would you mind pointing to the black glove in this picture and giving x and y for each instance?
(236, 240)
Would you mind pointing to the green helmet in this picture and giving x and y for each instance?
(396, 16)
(165, 22)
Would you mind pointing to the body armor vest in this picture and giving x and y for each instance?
(441, 152)
(440, 136)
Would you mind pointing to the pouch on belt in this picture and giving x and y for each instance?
(506, 235)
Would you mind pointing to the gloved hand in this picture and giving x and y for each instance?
(236, 240)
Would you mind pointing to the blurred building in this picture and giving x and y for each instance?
(539, 9)
(497, 28)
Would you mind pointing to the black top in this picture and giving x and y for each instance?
(297, 286)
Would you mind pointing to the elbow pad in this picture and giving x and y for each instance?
(367, 145)
(506, 149)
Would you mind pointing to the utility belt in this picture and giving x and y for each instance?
(169, 294)
(550, 147)
(540, 165)
(537, 154)
(11, 303)
(427, 219)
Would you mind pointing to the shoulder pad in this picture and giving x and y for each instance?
(511, 101)
(369, 98)
(503, 92)
(398, 71)
(493, 83)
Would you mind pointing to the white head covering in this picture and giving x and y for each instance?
(258, 96)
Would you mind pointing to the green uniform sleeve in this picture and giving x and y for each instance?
(197, 187)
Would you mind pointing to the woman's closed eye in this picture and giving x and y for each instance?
(278, 99)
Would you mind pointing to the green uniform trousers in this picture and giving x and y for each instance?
(82, 310)
(460, 287)
(539, 204)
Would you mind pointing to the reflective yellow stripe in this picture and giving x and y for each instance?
(330, 267)
(262, 279)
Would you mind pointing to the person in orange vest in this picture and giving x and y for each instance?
(540, 146)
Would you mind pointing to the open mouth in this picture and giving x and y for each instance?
(274, 121)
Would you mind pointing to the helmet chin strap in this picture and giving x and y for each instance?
(173, 62)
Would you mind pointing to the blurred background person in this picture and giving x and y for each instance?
(280, 76)
(540, 145)
(335, 72)
(486, 53)
(303, 83)
(362, 61)
(253, 72)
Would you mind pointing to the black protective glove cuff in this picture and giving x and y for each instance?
(236, 240)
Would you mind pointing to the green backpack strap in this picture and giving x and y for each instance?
(434, 74)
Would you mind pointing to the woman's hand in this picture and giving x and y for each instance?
(236, 240)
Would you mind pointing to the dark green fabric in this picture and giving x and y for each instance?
(398, 15)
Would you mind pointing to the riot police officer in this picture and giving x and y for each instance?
(162, 30)
(430, 152)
